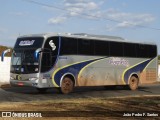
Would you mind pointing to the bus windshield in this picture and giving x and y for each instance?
(23, 61)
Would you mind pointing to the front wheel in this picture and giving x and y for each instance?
(133, 83)
(67, 85)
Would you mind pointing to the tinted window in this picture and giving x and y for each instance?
(152, 51)
(29, 42)
(101, 48)
(52, 44)
(129, 50)
(142, 51)
(50, 53)
(68, 46)
(46, 60)
(85, 47)
(116, 49)
(146, 51)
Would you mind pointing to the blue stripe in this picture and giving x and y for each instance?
(74, 69)
(137, 69)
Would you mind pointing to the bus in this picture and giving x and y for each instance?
(66, 60)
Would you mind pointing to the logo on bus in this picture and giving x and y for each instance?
(26, 43)
(51, 43)
(19, 77)
(118, 61)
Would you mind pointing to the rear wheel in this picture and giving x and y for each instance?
(133, 83)
(67, 85)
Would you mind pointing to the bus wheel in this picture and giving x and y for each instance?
(67, 85)
(133, 83)
(42, 90)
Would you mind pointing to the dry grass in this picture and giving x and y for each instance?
(2, 48)
(87, 108)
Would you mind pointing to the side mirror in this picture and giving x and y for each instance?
(3, 54)
(36, 53)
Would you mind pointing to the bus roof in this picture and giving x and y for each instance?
(85, 36)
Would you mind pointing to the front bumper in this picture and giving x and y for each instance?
(23, 83)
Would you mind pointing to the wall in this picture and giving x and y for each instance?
(159, 73)
(5, 70)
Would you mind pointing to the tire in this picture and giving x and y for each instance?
(42, 90)
(67, 85)
(133, 83)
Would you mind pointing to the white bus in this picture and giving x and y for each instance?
(66, 61)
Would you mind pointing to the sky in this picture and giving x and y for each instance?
(134, 20)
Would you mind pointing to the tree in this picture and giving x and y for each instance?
(2, 48)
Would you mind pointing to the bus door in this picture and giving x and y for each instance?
(46, 61)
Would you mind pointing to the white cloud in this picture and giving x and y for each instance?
(74, 8)
(88, 9)
(19, 13)
(78, 7)
(75, 1)
(57, 20)
(126, 19)
(126, 24)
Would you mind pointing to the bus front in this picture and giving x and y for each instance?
(33, 60)
(25, 67)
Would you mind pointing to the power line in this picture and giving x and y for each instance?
(112, 20)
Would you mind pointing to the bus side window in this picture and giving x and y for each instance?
(50, 53)
(84, 47)
(116, 49)
(129, 50)
(68, 46)
(101, 48)
(152, 51)
(142, 51)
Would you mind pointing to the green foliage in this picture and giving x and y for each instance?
(2, 48)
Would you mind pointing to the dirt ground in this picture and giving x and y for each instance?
(90, 108)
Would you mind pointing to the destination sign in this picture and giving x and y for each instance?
(26, 42)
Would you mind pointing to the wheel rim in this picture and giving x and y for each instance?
(133, 83)
(67, 85)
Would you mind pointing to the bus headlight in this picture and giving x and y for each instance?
(33, 79)
(11, 78)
